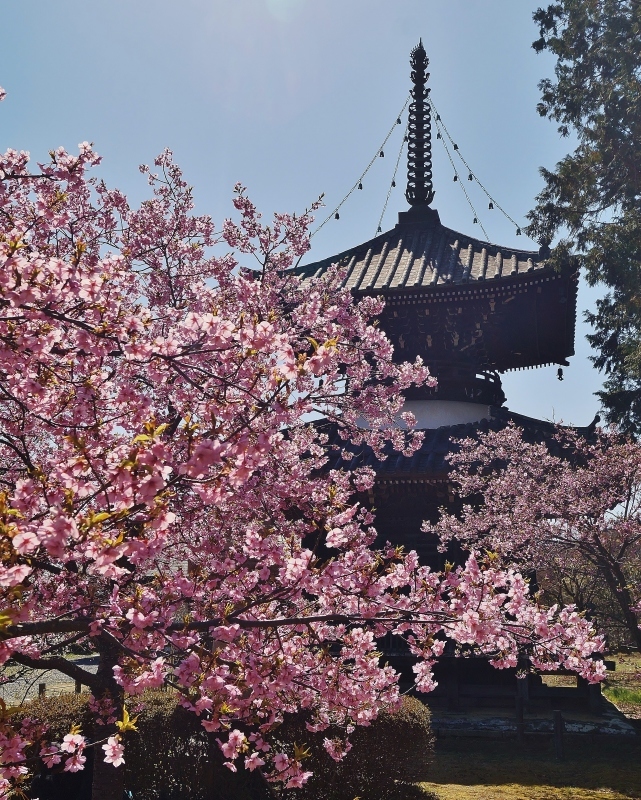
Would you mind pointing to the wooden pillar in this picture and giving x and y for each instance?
(595, 701)
(453, 701)
(520, 723)
(592, 692)
(559, 730)
(523, 690)
(522, 704)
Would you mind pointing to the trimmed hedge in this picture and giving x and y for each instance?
(386, 758)
(60, 713)
(172, 757)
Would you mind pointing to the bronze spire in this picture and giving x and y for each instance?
(420, 191)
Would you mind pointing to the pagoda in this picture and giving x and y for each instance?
(472, 310)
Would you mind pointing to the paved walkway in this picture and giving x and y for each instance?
(26, 687)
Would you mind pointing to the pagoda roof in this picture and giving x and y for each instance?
(429, 464)
(460, 301)
(421, 253)
(462, 304)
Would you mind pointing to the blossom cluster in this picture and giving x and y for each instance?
(165, 414)
(568, 507)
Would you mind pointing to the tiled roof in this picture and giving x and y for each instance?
(420, 252)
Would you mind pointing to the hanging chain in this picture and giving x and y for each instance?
(457, 177)
(393, 183)
(378, 153)
(494, 204)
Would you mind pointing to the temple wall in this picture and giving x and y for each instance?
(437, 413)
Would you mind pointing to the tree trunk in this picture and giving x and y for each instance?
(108, 781)
(618, 585)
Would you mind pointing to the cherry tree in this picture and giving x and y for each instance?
(569, 508)
(165, 396)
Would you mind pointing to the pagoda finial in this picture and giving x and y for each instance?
(420, 191)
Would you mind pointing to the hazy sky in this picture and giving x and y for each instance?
(293, 98)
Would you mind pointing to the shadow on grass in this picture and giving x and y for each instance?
(594, 767)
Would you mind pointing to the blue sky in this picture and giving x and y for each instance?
(293, 97)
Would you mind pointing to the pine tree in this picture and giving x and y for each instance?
(593, 196)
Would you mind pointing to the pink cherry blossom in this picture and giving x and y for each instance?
(114, 751)
(569, 508)
(50, 756)
(75, 763)
(336, 748)
(281, 762)
(72, 743)
(166, 500)
(254, 761)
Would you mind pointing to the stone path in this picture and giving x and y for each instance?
(489, 723)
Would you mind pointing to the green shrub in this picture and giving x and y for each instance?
(172, 757)
(386, 758)
(58, 712)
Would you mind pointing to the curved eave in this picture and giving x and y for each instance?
(422, 264)
(423, 254)
(537, 315)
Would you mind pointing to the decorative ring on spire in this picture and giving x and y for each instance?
(420, 190)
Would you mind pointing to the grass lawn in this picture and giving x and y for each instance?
(485, 769)
(600, 768)
(623, 686)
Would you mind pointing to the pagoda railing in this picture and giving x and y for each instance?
(463, 386)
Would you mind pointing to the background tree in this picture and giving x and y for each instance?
(164, 500)
(569, 509)
(593, 196)
(570, 578)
